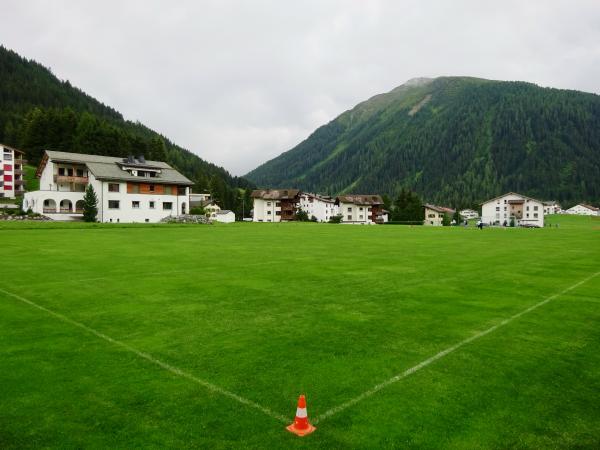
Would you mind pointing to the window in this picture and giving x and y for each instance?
(535, 208)
(277, 203)
(497, 208)
(135, 204)
(70, 172)
(505, 208)
(80, 172)
(61, 171)
(168, 190)
(535, 215)
(360, 209)
(147, 220)
(527, 214)
(349, 209)
(113, 187)
(167, 205)
(360, 217)
(113, 204)
(349, 217)
(277, 213)
(268, 203)
(152, 205)
(528, 208)
(151, 187)
(268, 213)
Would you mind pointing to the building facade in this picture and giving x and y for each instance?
(434, 215)
(525, 211)
(12, 172)
(321, 207)
(468, 214)
(361, 209)
(551, 208)
(275, 205)
(225, 216)
(583, 210)
(128, 189)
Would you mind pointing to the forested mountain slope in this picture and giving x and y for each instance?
(38, 111)
(454, 140)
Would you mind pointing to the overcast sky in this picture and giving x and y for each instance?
(239, 82)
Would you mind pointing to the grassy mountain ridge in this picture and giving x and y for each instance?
(454, 140)
(38, 111)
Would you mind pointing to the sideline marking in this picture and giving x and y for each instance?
(211, 387)
(441, 354)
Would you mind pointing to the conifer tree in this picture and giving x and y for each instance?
(90, 205)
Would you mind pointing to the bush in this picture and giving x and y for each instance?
(336, 219)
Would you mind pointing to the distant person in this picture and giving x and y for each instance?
(480, 224)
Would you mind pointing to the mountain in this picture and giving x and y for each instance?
(455, 141)
(38, 111)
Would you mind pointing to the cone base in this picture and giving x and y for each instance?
(292, 429)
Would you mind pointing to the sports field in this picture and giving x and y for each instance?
(204, 336)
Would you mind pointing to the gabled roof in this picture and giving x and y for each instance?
(359, 199)
(13, 149)
(511, 193)
(590, 207)
(275, 194)
(441, 209)
(109, 167)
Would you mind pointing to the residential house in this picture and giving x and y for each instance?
(584, 210)
(321, 207)
(198, 199)
(468, 214)
(275, 205)
(128, 189)
(225, 216)
(525, 211)
(12, 181)
(551, 207)
(434, 215)
(361, 209)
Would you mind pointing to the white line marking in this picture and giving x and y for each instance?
(441, 354)
(211, 387)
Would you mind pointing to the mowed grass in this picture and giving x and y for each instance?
(270, 311)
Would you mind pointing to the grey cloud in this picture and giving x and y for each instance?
(239, 82)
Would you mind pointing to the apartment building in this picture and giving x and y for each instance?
(12, 174)
(525, 211)
(128, 189)
(361, 209)
(321, 207)
(275, 205)
(434, 215)
(583, 209)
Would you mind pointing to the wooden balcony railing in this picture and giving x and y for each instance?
(70, 179)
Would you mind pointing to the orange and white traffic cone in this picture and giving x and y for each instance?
(301, 426)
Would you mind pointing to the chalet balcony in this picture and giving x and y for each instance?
(70, 179)
(20, 161)
(20, 182)
(19, 172)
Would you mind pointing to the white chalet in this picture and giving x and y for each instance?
(524, 210)
(468, 214)
(583, 210)
(275, 205)
(128, 189)
(434, 215)
(361, 209)
(12, 182)
(321, 207)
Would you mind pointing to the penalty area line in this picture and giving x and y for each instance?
(421, 365)
(168, 367)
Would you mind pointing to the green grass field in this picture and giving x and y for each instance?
(144, 328)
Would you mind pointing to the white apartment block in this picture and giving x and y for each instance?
(12, 180)
(321, 207)
(128, 189)
(361, 209)
(584, 210)
(524, 210)
(551, 208)
(275, 205)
